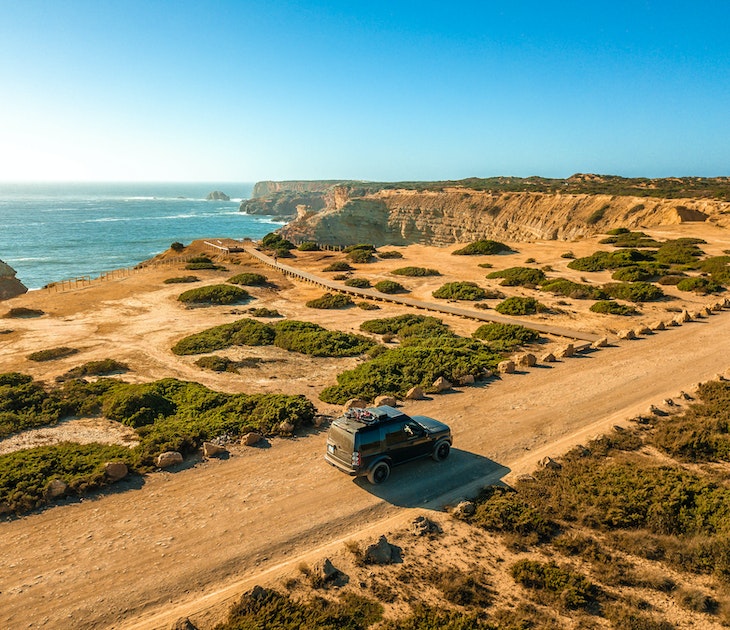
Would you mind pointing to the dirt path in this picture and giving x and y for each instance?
(188, 541)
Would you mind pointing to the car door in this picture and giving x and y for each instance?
(405, 440)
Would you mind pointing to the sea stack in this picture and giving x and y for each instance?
(217, 195)
(10, 286)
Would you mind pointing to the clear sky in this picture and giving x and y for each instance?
(240, 91)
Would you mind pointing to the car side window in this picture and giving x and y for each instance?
(369, 441)
(395, 434)
(412, 430)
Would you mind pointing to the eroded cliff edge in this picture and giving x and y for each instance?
(10, 286)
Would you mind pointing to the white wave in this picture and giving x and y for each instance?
(30, 259)
(107, 220)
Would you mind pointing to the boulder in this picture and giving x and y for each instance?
(685, 316)
(706, 311)
(685, 396)
(549, 462)
(382, 552)
(286, 428)
(388, 401)
(677, 321)
(600, 343)
(642, 330)
(169, 458)
(183, 624)
(10, 286)
(658, 326)
(415, 393)
(655, 411)
(464, 508)
(467, 379)
(441, 384)
(251, 438)
(115, 470)
(626, 334)
(355, 403)
(210, 449)
(527, 360)
(487, 374)
(696, 315)
(217, 195)
(326, 571)
(524, 477)
(548, 358)
(718, 306)
(422, 526)
(565, 351)
(506, 367)
(56, 488)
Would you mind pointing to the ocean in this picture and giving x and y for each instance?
(56, 231)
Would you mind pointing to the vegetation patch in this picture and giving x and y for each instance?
(633, 291)
(718, 267)
(597, 215)
(407, 325)
(390, 254)
(558, 584)
(520, 306)
(599, 261)
(367, 306)
(244, 332)
(104, 367)
(482, 247)
(277, 242)
(680, 251)
(672, 279)
(214, 294)
(331, 301)
(509, 335)
(21, 312)
(249, 279)
(460, 291)
(698, 284)
(199, 266)
(264, 312)
(338, 265)
(308, 246)
(629, 239)
(51, 354)
(415, 272)
(216, 363)
(181, 280)
(390, 287)
(570, 289)
(359, 283)
(637, 273)
(608, 307)
(360, 256)
(519, 276)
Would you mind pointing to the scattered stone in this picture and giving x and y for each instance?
(655, 411)
(527, 360)
(464, 508)
(382, 552)
(169, 458)
(326, 570)
(549, 462)
(565, 351)
(548, 358)
(385, 400)
(415, 393)
(686, 396)
(210, 449)
(487, 373)
(626, 334)
(618, 428)
(355, 403)
(658, 326)
(506, 367)
(685, 316)
(600, 343)
(524, 477)
(582, 451)
(441, 384)
(286, 428)
(251, 438)
(677, 321)
(422, 526)
(56, 488)
(670, 402)
(718, 306)
(217, 195)
(183, 624)
(467, 379)
(115, 470)
(707, 311)
(695, 315)
(643, 330)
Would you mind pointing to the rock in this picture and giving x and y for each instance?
(286, 428)
(441, 384)
(183, 624)
(527, 360)
(696, 315)
(464, 508)
(548, 358)
(685, 316)
(685, 396)
(487, 374)
(355, 403)
(388, 401)
(550, 463)
(524, 477)
(506, 367)
(658, 326)
(642, 330)
(706, 311)
(626, 334)
(326, 570)
(718, 306)
(565, 351)
(379, 553)
(210, 449)
(169, 458)
(677, 321)
(422, 526)
(600, 343)
(115, 470)
(655, 411)
(467, 379)
(415, 393)
(56, 488)
(251, 438)
(217, 195)
(670, 402)
(10, 286)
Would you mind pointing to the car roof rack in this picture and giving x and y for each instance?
(372, 415)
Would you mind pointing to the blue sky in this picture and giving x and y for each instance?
(242, 91)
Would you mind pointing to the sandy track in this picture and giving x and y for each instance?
(143, 557)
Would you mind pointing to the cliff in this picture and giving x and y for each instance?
(456, 215)
(289, 199)
(10, 286)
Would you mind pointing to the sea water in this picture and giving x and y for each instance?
(55, 231)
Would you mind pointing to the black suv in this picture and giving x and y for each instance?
(368, 442)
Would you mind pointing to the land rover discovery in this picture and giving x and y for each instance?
(369, 442)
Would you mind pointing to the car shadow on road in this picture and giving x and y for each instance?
(429, 484)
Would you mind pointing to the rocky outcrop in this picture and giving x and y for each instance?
(217, 195)
(290, 199)
(10, 286)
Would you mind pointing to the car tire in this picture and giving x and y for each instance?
(441, 451)
(379, 473)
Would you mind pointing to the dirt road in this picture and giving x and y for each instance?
(192, 539)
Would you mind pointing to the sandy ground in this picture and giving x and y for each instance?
(188, 542)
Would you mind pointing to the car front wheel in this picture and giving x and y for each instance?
(441, 451)
(379, 473)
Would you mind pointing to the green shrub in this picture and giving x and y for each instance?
(20, 312)
(570, 589)
(634, 273)
(214, 294)
(308, 246)
(388, 286)
(407, 325)
(607, 307)
(509, 335)
(520, 306)
(598, 261)
(390, 254)
(620, 230)
(570, 255)
(697, 284)
(201, 259)
(264, 312)
(671, 279)
(359, 256)
(52, 354)
(331, 301)
(482, 248)
(574, 290)
(630, 239)
(316, 341)
(97, 368)
(248, 332)
(24, 404)
(177, 247)
(415, 272)
(367, 306)
(359, 283)
(633, 291)
(216, 363)
(597, 215)
(679, 252)
(718, 267)
(460, 291)
(276, 242)
(338, 265)
(137, 405)
(519, 276)
(365, 247)
(204, 265)
(181, 280)
(249, 279)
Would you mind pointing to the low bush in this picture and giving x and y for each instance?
(415, 272)
(509, 335)
(274, 241)
(24, 404)
(181, 280)
(463, 588)
(201, 259)
(633, 291)
(460, 291)
(560, 585)
(216, 363)
(597, 214)
(402, 324)
(359, 283)
(365, 247)
(671, 279)
(569, 255)
(103, 367)
(367, 306)
(177, 247)
(21, 312)
(570, 289)
(244, 332)
(520, 306)
(636, 273)
(264, 312)
(607, 307)
(519, 276)
(680, 251)
(199, 266)
(52, 354)
(698, 284)
(390, 287)
(718, 267)
(482, 248)
(600, 260)
(338, 265)
(214, 294)
(331, 301)
(360, 256)
(390, 254)
(308, 246)
(249, 279)
(316, 341)
(630, 239)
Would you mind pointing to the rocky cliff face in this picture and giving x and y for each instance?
(10, 286)
(289, 199)
(458, 215)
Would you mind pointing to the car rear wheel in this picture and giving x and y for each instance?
(441, 451)
(379, 473)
